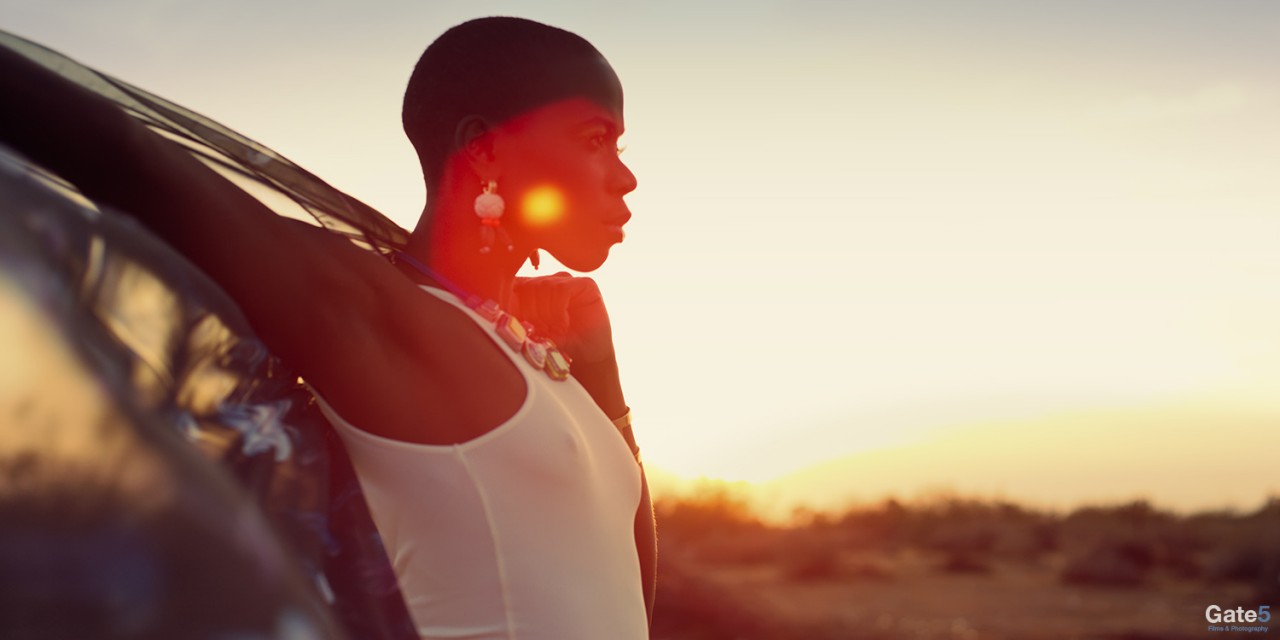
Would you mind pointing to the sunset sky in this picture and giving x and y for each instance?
(1026, 249)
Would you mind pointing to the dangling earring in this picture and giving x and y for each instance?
(489, 207)
(535, 258)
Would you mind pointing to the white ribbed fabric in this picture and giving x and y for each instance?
(525, 532)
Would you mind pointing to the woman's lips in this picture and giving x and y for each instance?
(615, 226)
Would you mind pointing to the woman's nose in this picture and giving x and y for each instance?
(624, 181)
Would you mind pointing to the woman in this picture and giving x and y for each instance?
(509, 503)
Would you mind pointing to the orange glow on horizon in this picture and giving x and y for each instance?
(542, 205)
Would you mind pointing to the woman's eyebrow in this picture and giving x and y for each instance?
(611, 127)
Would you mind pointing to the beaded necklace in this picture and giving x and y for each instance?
(542, 353)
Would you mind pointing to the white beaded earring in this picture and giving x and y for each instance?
(489, 207)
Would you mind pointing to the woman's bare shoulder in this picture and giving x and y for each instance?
(399, 362)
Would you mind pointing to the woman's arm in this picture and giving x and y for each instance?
(647, 545)
(344, 319)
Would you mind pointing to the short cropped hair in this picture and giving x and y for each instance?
(496, 68)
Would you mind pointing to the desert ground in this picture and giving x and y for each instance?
(952, 568)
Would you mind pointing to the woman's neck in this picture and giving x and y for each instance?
(450, 246)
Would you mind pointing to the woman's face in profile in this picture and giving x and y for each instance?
(563, 179)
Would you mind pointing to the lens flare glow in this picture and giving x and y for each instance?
(542, 205)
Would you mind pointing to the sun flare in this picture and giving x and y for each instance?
(542, 205)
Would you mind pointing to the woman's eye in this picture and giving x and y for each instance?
(603, 141)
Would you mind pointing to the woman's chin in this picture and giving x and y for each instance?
(582, 260)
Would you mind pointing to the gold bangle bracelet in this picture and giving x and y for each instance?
(623, 421)
(623, 425)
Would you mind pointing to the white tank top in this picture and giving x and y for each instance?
(525, 532)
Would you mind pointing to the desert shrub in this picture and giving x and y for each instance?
(1255, 565)
(804, 517)
(876, 526)
(966, 530)
(965, 562)
(1138, 515)
(972, 534)
(1267, 524)
(1183, 565)
(1251, 556)
(965, 546)
(812, 562)
(1141, 538)
(1027, 541)
(1267, 586)
(1240, 547)
(1176, 548)
(1238, 564)
(815, 562)
(716, 524)
(1111, 563)
(970, 538)
(820, 552)
(712, 508)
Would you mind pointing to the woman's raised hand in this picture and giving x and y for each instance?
(570, 311)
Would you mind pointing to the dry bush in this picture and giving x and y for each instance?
(1246, 549)
(715, 524)
(1110, 563)
(972, 534)
(821, 551)
(1028, 542)
(962, 562)
(1216, 546)
(812, 563)
(711, 508)
(1243, 563)
(881, 526)
(969, 538)
(1137, 537)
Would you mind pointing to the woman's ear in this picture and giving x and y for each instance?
(474, 140)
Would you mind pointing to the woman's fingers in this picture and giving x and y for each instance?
(543, 304)
(569, 310)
